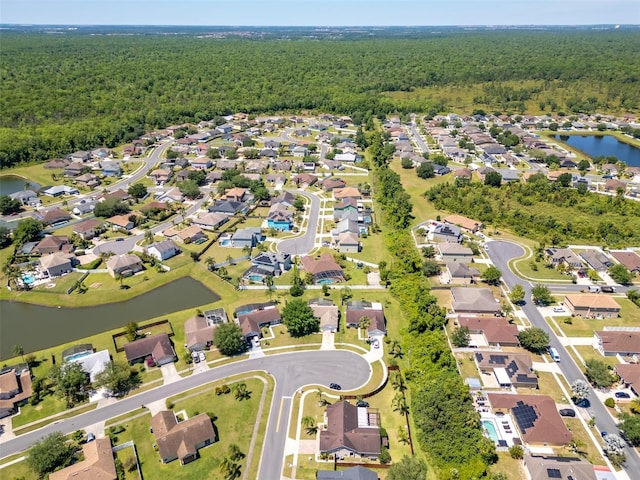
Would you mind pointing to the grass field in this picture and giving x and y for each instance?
(584, 327)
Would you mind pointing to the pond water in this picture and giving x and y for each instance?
(607, 145)
(35, 327)
(11, 184)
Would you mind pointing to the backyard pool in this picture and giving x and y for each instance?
(225, 242)
(28, 278)
(78, 355)
(490, 429)
(255, 278)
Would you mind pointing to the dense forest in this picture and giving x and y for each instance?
(60, 93)
(544, 211)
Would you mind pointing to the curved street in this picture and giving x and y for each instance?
(500, 253)
(291, 371)
(306, 242)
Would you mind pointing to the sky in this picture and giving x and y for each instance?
(320, 12)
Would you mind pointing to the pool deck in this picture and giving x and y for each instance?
(504, 426)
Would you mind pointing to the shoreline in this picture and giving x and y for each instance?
(622, 138)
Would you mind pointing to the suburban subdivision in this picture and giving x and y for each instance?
(306, 294)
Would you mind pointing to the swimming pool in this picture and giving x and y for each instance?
(255, 278)
(78, 355)
(28, 278)
(225, 242)
(491, 431)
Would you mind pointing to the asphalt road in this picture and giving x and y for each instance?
(500, 253)
(416, 136)
(291, 371)
(305, 242)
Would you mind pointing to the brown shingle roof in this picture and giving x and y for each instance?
(326, 263)
(197, 331)
(494, 329)
(546, 425)
(619, 341)
(343, 431)
(98, 463)
(178, 440)
(631, 260)
(158, 346)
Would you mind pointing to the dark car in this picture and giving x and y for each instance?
(567, 412)
(608, 289)
(622, 395)
(335, 386)
(604, 434)
(584, 403)
(362, 403)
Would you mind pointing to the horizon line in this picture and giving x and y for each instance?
(320, 26)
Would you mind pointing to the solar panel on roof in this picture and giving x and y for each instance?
(499, 359)
(553, 473)
(525, 415)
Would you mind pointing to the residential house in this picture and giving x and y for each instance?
(351, 430)
(246, 237)
(121, 222)
(210, 221)
(172, 195)
(349, 204)
(346, 225)
(272, 144)
(163, 250)
(612, 185)
(181, 440)
(92, 363)
(280, 218)
(465, 223)
(592, 306)
(540, 467)
(458, 271)
(97, 463)
(285, 198)
(536, 418)
(52, 216)
(110, 169)
(325, 270)
(564, 256)
(154, 207)
(256, 166)
(161, 175)
(325, 311)
(283, 166)
(236, 194)
(349, 157)
(56, 163)
(596, 260)
(198, 330)
(348, 243)
(474, 300)
(331, 183)
(442, 232)
(453, 252)
(124, 265)
(300, 151)
(340, 194)
(191, 234)
(356, 310)
(462, 174)
(276, 179)
(100, 153)
(73, 170)
(509, 369)
(629, 374)
(611, 342)
(80, 156)
(158, 347)
(88, 180)
(629, 259)
(610, 168)
(495, 331)
(201, 163)
(304, 180)
(119, 194)
(88, 229)
(57, 264)
(353, 473)
(224, 129)
(252, 322)
(267, 264)
(227, 207)
(53, 243)
(26, 198)
(214, 176)
(60, 190)
(15, 389)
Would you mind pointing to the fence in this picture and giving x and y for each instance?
(115, 336)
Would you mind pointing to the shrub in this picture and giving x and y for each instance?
(610, 402)
(170, 405)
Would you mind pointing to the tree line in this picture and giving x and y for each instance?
(448, 427)
(64, 93)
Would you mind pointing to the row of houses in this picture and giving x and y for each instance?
(597, 260)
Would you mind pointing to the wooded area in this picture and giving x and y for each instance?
(60, 93)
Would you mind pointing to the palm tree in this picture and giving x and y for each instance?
(310, 425)
(119, 277)
(241, 392)
(148, 237)
(18, 350)
(364, 323)
(234, 452)
(210, 263)
(399, 404)
(397, 382)
(226, 467)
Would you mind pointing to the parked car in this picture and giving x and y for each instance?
(567, 412)
(90, 437)
(608, 289)
(622, 395)
(335, 386)
(604, 434)
(202, 356)
(362, 403)
(584, 403)
(196, 357)
(376, 343)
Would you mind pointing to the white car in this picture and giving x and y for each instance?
(376, 343)
(202, 356)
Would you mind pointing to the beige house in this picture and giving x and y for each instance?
(98, 463)
(592, 306)
(124, 265)
(181, 440)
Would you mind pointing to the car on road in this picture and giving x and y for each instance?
(567, 412)
(604, 434)
(119, 239)
(362, 403)
(335, 386)
(608, 289)
(622, 395)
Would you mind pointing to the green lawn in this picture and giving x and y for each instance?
(47, 407)
(234, 424)
(584, 327)
(542, 273)
(511, 468)
(467, 365)
(586, 448)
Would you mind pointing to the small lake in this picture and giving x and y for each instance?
(606, 145)
(11, 184)
(35, 327)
